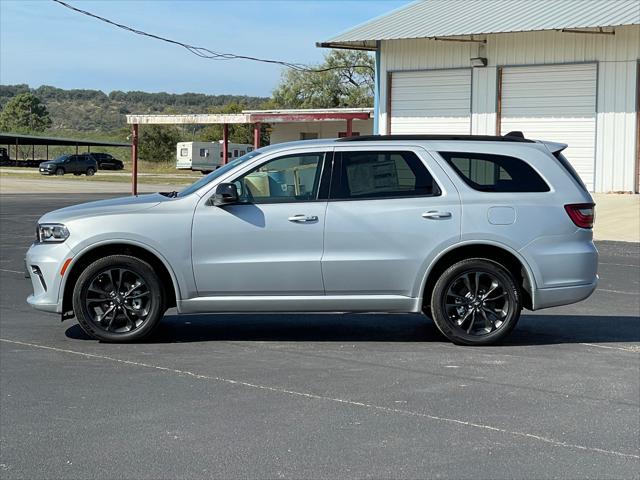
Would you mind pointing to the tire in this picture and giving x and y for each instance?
(59, 171)
(91, 172)
(127, 316)
(469, 318)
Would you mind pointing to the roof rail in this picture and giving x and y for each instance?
(517, 137)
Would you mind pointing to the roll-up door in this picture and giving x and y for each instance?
(431, 102)
(557, 103)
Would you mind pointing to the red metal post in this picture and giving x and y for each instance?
(225, 143)
(134, 159)
(349, 127)
(256, 135)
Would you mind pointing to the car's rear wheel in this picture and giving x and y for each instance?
(90, 171)
(476, 302)
(59, 171)
(118, 298)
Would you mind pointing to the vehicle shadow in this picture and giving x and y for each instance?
(531, 330)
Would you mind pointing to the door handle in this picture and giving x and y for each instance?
(434, 214)
(303, 218)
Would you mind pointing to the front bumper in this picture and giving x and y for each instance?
(43, 263)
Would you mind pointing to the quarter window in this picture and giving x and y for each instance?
(495, 173)
(293, 178)
(374, 174)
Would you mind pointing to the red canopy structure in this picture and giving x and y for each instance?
(255, 117)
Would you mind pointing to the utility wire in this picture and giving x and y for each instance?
(207, 53)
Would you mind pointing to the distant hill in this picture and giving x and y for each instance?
(96, 111)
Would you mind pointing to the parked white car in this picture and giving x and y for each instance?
(467, 229)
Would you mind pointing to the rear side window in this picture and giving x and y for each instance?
(495, 173)
(569, 168)
(375, 174)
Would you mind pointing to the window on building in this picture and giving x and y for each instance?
(242, 152)
(235, 153)
(204, 152)
(184, 152)
(292, 178)
(495, 173)
(308, 136)
(344, 134)
(374, 174)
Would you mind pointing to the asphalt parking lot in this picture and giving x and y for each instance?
(318, 396)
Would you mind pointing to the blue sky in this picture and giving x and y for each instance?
(43, 43)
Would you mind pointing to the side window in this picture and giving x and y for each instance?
(293, 178)
(375, 174)
(184, 152)
(204, 152)
(495, 173)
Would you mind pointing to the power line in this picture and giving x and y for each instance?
(207, 53)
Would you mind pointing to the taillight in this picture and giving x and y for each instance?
(581, 214)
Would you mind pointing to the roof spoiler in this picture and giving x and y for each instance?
(554, 147)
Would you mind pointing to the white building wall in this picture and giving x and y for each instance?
(617, 56)
(288, 132)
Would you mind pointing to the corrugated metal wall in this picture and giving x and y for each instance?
(617, 56)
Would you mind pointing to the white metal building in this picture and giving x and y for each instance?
(300, 124)
(561, 70)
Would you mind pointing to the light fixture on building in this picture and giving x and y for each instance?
(479, 62)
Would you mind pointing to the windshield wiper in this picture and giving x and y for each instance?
(169, 194)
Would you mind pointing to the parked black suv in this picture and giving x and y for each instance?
(107, 162)
(76, 164)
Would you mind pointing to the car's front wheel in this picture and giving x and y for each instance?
(59, 171)
(118, 298)
(476, 302)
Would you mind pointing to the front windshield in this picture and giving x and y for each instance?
(218, 172)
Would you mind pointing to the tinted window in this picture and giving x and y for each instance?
(292, 178)
(362, 175)
(495, 173)
(569, 168)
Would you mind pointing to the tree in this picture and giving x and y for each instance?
(24, 113)
(157, 143)
(345, 79)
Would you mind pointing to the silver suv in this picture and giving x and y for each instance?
(466, 229)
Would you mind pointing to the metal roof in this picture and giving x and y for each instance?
(253, 116)
(17, 138)
(453, 18)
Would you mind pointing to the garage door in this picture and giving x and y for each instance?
(557, 103)
(437, 101)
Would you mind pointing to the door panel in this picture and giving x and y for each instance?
(382, 246)
(271, 242)
(255, 249)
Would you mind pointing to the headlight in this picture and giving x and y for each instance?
(52, 233)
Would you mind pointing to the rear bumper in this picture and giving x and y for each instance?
(554, 297)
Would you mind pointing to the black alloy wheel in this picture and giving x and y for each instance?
(476, 302)
(118, 298)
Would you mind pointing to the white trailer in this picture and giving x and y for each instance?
(206, 156)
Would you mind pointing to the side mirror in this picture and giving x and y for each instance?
(225, 194)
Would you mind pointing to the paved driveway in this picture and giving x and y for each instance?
(318, 396)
